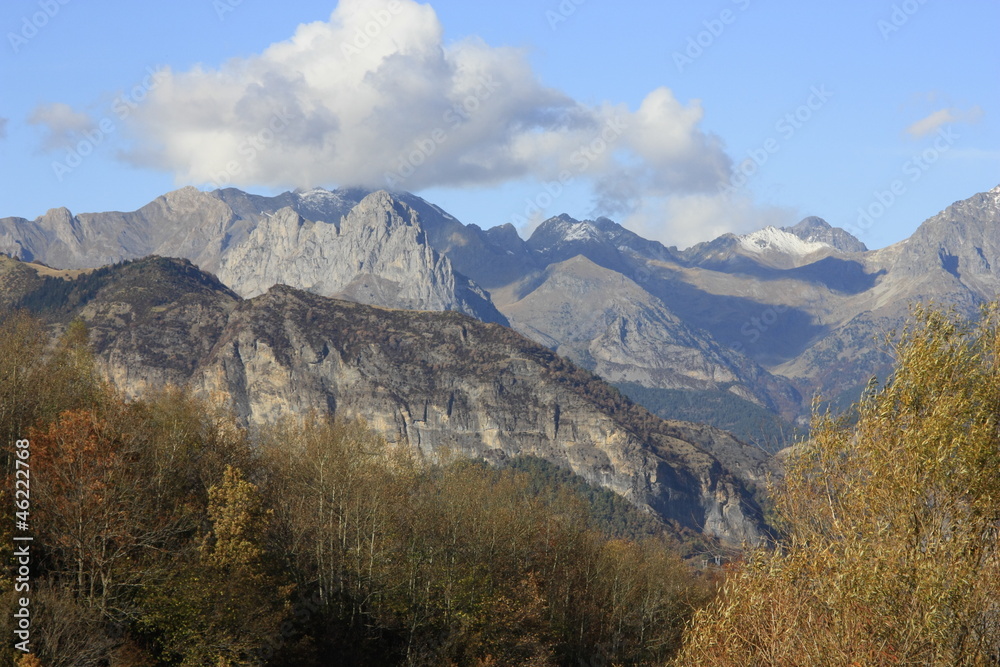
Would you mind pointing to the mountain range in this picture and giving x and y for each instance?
(770, 318)
(384, 306)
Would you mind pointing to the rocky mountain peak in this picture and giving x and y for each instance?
(817, 230)
(378, 254)
(561, 229)
(382, 209)
(963, 240)
(184, 200)
(59, 215)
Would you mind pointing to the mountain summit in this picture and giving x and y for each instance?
(818, 230)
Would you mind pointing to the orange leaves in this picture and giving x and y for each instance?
(75, 458)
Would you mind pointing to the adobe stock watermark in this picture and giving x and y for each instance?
(223, 7)
(252, 145)
(410, 160)
(900, 16)
(697, 44)
(33, 23)
(365, 35)
(302, 612)
(580, 159)
(757, 325)
(786, 127)
(913, 170)
(121, 108)
(562, 12)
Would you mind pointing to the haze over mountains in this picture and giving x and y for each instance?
(768, 318)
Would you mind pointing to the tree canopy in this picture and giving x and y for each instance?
(890, 552)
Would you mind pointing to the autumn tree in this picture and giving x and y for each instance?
(69, 377)
(892, 551)
(22, 343)
(85, 494)
(97, 527)
(337, 491)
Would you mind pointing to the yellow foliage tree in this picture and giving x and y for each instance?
(234, 508)
(891, 553)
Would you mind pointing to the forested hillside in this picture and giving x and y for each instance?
(166, 534)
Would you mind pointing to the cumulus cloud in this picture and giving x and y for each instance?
(374, 97)
(947, 116)
(61, 124)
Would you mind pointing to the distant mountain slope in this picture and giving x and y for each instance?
(429, 380)
(628, 335)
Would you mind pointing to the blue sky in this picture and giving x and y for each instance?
(681, 120)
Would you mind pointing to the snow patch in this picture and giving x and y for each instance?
(776, 240)
(581, 231)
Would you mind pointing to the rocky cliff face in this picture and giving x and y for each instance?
(439, 381)
(430, 381)
(375, 254)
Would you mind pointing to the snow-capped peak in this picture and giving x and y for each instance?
(777, 240)
(579, 231)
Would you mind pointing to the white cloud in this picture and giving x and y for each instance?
(947, 116)
(62, 125)
(3, 128)
(374, 90)
(689, 219)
